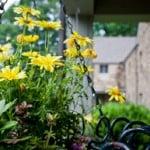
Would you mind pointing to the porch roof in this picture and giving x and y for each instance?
(113, 50)
(111, 10)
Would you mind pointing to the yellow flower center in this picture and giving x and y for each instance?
(116, 92)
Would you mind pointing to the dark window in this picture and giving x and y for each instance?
(103, 97)
(140, 53)
(103, 68)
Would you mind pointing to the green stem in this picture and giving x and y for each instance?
(46, 41)
(48, 38)
(24, 29)
(48, 136)
(42, 74)
(31, 47)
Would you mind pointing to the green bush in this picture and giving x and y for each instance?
(113, 110)
(128, 110)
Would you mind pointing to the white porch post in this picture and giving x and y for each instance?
(82, 15)
(83, 25)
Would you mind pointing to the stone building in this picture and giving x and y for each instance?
(138, 68)
(109, 66)
(125, 62)
(137, 64)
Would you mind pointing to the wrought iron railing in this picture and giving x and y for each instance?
(126, 139)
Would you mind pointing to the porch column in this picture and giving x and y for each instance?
(83, 25)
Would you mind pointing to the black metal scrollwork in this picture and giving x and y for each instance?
(126, 139)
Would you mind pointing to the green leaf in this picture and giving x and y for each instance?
(8, 125)
(4, 107)
(14, 141)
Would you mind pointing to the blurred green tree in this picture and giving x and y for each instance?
(115, 29)
(49, 10)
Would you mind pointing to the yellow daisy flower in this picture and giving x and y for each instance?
(22, 87)
(47, 62)
(70, 42)
(30, 54)
(25, 11)
(51, 118)
(11, 74)
(25, 39)
(88, 118)
(5, 47)
(49, 25)
(82, 69)
(81, 40)
(25, 21)
(116, 94)
(4, 57)
(89, 53)
(71, 53)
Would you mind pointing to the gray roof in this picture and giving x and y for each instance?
(113, 49)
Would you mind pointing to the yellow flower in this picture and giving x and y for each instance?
(71, 53)
(70, 42)
(52, 118)
(88, 118)
(11, 74)
(25, 21)
(25, 11)
(31, 54)
(81, 40)
(5, 47)
(82, 69)
(22, 87)
(5, 52)
(47, 62)
(4, 56)
(25, 39)
(116, 94)
(89, 53)
(49, 25)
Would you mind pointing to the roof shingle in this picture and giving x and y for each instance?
(113, 49)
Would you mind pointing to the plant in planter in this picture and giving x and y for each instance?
(41, 85)
(5, 124)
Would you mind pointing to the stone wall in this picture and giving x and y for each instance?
(137, 68)
(114, 77)
(131, 77)
(143, 56)
(134, 75)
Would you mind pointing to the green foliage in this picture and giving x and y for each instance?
(43, 86)
(8, 125)
(131, 111)
(113, 110)
(50, 11)
(4, 107)
(5, 124)
(115, 29)
(7, 31)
